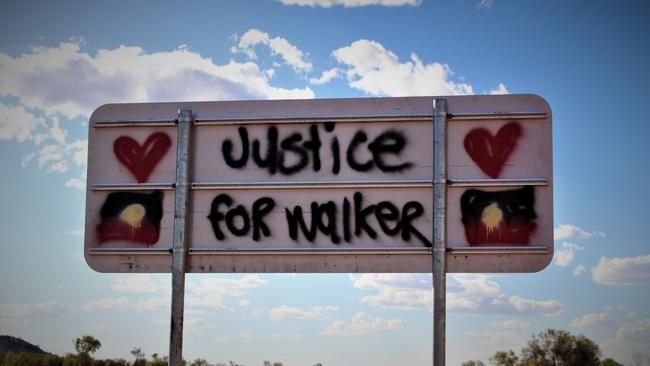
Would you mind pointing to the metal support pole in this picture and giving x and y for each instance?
(180, 237)
(439, 236)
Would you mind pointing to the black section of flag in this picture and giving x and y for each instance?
(131, 217)
(494, 218)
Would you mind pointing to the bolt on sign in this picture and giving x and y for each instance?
(340, 185)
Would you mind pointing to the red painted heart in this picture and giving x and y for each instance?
(142, 159)
(489, 152)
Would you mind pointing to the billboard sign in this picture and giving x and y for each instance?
(341, 185)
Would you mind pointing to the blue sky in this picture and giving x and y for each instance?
(589, 59)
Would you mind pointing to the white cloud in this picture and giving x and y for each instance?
(138, 283)
(480, 344)
(75, 232)
(68, 81)
(622, 271)
(121, 303)
(101, 327)
(18, 123)
(350, 3)
(564, 257)
(76, 183)
(224, 339)
(593, 320)
(292, 312)
(56, 132)
(246, 336)
(484, 4)
(396, 291)
(362, 323)
(630, 339)
(501, 89)
(522, 306)
(56, 158)
(209, 294)
(244, 302)
(279, 46)
(153, 303)
(378, 71)
(47, 309)
(474, 294)
(635, 332)
(511, 324)
(470, 292)
(566, 231)
(325, 77)
(79, 152)
(580, 269)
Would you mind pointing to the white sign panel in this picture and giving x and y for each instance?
(322, 185)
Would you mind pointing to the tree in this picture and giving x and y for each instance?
(139, 357)
(200, 362)
(473, 363)
(552, 348)
(158, 361)
(559, 347)
(609, 362)
(503, 358)
(85, 346)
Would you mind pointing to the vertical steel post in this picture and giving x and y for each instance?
(180, 237)
(439, 235)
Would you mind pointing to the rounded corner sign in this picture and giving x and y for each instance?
(341, 185)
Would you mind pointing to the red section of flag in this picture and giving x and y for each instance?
(518, 232)
(118, 229)
(142, 159)
(489, 152)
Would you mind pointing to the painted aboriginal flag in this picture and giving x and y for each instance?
(129, 216)
(499, 218)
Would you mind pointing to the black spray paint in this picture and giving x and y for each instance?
(306, 153)
(355, 219)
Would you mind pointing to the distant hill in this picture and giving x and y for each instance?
(14, 344)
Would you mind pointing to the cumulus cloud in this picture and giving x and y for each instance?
(522, 306)
(478, 344)
(362, 323)
(47, 309)
(121, 303)
(630, 339)
(593, 320)
(65, 80)
(292, 312)
(501, 89)
(101, 327)
(325, 77)
(291, 55)
(579, 270)
(622, 271)
(75, 232)
(395, 291)
(76, 183)
(246, 336)
(209, 294)
(154, 303)
(564, 257)
(473, 294)
(511, 324)
(484, 4)
(18, 123)
(372, 68)
(140, 283)
(566, 231)
(350, 3)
